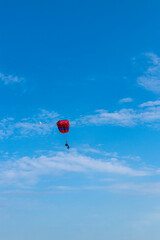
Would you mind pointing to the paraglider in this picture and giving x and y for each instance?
(63, 127)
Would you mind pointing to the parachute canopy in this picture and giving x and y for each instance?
(63, 126)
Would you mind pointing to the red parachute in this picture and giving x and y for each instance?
(63, 127)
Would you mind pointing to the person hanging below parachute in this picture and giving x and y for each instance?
(63, 127)
(67, 145)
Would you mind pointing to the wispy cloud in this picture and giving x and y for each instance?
(123, 117)
(126, 100)
(150, 80)
(131, 188)
(29, 126)
(126, 117)
(28, 170)
(138, 188)
(147, 113)
(7, 79)
(150, 104)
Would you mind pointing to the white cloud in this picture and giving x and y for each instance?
(131, 188)
(150, 104)
(107, 180)
(28, 170)
(125, 100)
(151, 77)
(138, 188)
(7, 79)
(148, 113)
(29, 126)
(123, 117)
(126, 117)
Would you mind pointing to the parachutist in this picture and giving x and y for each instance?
(67, 145)
(63, 126)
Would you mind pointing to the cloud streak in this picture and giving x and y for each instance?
(150, 80)
(8, 79)
(125, 100)
(28, 170)
(150, 104)
(126, 117)
(148, 188)
(147, 113)
(29, 126)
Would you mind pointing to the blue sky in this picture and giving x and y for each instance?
(97, 64)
